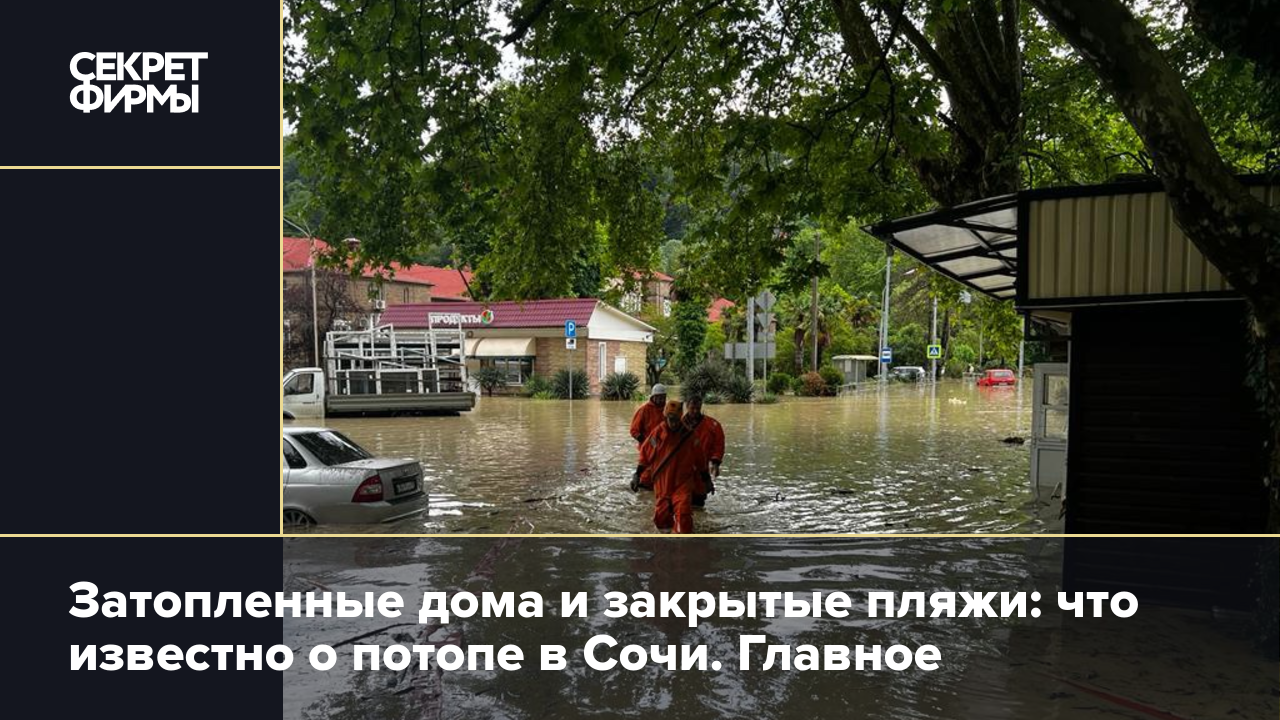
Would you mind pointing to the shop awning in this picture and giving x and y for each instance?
(501, 347)
(975, 243)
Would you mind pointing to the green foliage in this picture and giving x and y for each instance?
(832, 377)
(300, 202)
(785, 349)
(703, 379)
(619, 386)
(767, 398)
(737, 388)
(712, 398)
(657, 357)
(909, 343)
(490, 379)
(780, 383)
(812, 385)
(592, 137)
(691, 330)
(714, 378)
(543, 395)
(964, 353)
(535, 384)
(713, 343)
(560, 384)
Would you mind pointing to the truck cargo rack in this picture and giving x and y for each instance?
(382, 360)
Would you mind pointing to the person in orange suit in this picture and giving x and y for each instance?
(674, 458)
(711, 434)
(647, 419)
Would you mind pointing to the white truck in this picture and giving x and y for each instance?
(383, 371)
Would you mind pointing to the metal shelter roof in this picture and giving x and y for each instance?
(974, 244)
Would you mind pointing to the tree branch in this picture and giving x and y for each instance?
(521, 27)
(1236, 231)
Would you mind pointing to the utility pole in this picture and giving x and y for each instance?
(315, 323)
(933, 333)
(813, 319)
(1021, 344)
(751, 338)
(884, 313)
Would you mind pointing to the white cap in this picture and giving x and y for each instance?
(658, 389)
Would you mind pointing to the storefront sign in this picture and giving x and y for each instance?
(483, 318)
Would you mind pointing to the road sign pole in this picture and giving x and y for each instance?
(884, 311)
(751, 338)
(933, 362)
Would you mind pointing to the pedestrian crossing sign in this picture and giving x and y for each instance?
(935, 352)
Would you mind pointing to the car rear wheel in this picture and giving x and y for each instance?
(297, 518)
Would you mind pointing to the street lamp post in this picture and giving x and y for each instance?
(933, 335)
(315, 315)
(884, 312)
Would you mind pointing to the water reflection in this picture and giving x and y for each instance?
(1010, 668)
(914, 458)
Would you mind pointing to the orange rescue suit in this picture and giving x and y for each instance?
(647, 419)
(711, 436)
(711, 433)
(675, 459)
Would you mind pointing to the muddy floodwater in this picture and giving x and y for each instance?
(1160, 662)
(911, 458)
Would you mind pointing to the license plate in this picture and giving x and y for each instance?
(404, 486)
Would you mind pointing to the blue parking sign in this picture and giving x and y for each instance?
(570, 329)
(886, 355)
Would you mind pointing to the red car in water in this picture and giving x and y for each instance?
(992, 378)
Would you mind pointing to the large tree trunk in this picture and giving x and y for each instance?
(973, 49)
(1236, 231)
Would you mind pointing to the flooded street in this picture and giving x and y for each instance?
(1054, 666)
(914, 458)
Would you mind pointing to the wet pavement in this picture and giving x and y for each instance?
(915, 458)
(1185, 664)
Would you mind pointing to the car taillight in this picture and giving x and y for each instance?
(369, 491)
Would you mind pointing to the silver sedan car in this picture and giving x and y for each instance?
(330, 479)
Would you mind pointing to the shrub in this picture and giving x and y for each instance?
(780, 382)
(703, 378)
(543, 395)
(738, 389)
(812, 385)
(535, 384)
(560, 384)
(797, 384)
(490, 379)
(767, 398)
(712, 399)
(832, 376)
(619, 386)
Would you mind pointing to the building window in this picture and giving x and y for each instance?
(517, 369)
(406, 296)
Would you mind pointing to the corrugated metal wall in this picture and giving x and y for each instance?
(1164, 435)
(1115, 245)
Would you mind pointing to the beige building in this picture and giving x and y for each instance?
(528, 338)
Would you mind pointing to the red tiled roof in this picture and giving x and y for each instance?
(716, 311)
(641, 274)
(529, 314)
(445, 282)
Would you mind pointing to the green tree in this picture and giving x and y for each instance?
(690, 317)
(766, 114)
